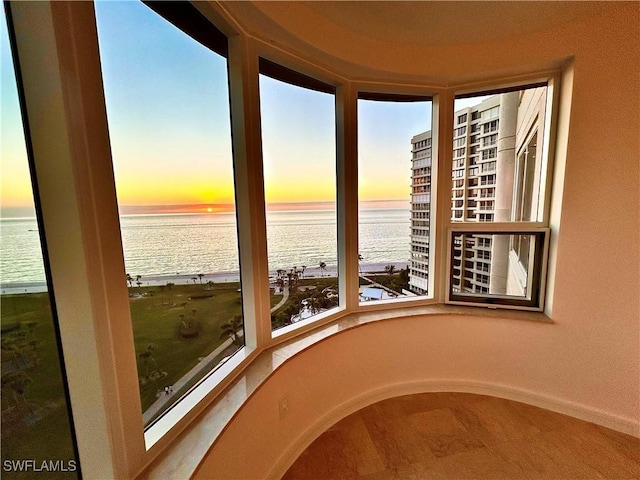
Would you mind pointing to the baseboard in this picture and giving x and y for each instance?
(572, 409)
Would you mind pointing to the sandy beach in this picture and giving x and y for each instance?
(218, 277)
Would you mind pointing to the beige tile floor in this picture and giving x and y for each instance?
(465, 436)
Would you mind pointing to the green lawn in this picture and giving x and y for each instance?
(156, 320)
(50, 437)
(156, 317)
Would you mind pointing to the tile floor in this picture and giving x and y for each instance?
(457, 435)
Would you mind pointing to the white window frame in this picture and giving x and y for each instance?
(373, 89)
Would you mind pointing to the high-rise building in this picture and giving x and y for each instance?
(420, 210)
(495, 173)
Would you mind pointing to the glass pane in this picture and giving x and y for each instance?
(498, 264)
(168, 110)
(36, 425)
(498, 170)
(394, 188)
(298, 142)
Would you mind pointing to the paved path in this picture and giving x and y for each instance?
(285, 297)
(165, 400)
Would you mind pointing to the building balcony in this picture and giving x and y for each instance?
(420, 198)
(421, 163)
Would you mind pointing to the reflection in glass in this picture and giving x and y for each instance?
(168, 110)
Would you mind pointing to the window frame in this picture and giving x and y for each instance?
(282, 72)
(534, 300)
(541, 227)
(186, 18)
(376, 93)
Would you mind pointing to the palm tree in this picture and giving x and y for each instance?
(303, 267)
(390, 269)
(30, 340)
(313, 304)
(30, 326)
(230, 329)
(14, 344)
(200, 275)
(295, 277)
(323, 267)
(169, 287)
(147, 359)
(360, 258)
(130, 280)
(17, 381)
(162, 287)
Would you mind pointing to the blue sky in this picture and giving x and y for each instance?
(168, 113)
(384, 146)
(15, 186)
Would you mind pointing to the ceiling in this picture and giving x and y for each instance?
(442, 23)
(362, 37)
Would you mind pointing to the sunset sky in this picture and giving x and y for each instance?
(168, 112)
(15, 187)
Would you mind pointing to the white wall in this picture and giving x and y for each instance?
(589, 359)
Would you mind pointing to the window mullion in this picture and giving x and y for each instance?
(549, 146)
(347, 192)
(244, 94)
(441, 179)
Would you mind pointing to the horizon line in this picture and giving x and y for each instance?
(27, 212)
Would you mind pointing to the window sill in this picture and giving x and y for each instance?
(181, 457)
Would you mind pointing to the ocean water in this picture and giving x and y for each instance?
(207, 243)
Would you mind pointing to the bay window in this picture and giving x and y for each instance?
(265, 164)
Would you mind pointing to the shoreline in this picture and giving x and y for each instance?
(218, 277)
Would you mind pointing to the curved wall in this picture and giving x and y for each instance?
(496, 356)
(588, 361)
